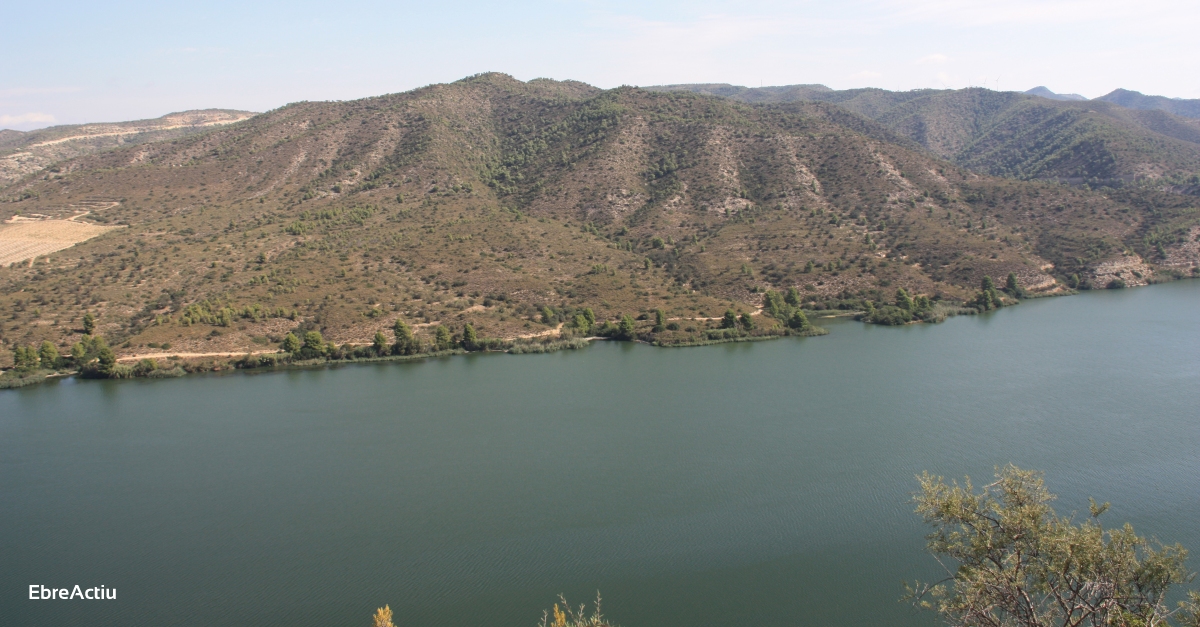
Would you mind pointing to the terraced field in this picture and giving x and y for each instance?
(24, 239)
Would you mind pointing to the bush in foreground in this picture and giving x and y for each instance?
(1012, 561)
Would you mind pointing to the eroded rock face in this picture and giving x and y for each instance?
(1037, 282)
(1185, 255)
(1131, 269)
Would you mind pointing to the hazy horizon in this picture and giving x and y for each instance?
(131, 60)
(282, 104)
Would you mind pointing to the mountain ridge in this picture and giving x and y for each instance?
(1136, 100)
(1044, 92)
(27, 152)
(492, 201)
(1012, 134)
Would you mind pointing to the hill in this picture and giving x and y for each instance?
(1136, 100)
(1045, 92)
(1014, 135)
(514, 205)
(24, 153)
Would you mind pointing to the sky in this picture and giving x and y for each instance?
(68, 62)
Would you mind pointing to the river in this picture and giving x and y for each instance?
(765, 483)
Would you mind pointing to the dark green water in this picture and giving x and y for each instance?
(761, 484)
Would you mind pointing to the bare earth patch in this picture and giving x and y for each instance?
(23, 240)
(1131, 269)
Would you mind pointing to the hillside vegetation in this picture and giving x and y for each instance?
(515, 207)
(24, 153)
(1014, 135)
(1137, 100)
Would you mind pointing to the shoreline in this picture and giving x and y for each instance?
(278, 360)
(541, 343)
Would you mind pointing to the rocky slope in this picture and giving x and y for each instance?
(488, 200)
(25, 153)
(1011, 134)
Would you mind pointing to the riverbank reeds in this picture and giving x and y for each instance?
(538, 347)
(15, 379)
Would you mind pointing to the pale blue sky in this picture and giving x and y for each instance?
(64, 62)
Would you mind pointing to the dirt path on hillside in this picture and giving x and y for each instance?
(756, 312)
(129, 131)
(193, 355)
(555, 331)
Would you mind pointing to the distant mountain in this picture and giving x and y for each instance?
(786, 93)
(1012, 134)
(1043, 92)
(513, 205)
(1135, 100)
(23, 153)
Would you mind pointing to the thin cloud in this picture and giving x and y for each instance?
(695, 49)
(193, 50)
(1038, 12)
(26, 118)
(933, 59)
(865, 75)
(946, 80)
(36, 91)
(701, 34)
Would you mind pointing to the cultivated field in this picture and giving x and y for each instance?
(25, 239)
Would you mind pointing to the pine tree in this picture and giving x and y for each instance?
(627, 330)
(774, 305)
(25, 358)
(441, 338)
(291, 344)
(793, 297)
(747, 321)
(402, 331)
(1012, 287)
(988, 298)
(89, 323)
(314, 342)
(798, 321)
(903, 300)
(405, 343)
(380, 344)
(729, 321)
(106, 356)
(48, 354)
(470, 340)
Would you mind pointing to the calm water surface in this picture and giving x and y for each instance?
(763, 484)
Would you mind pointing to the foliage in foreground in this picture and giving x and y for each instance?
(1012, 561)
(382, 617)
(564, 616)
(572, 617)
